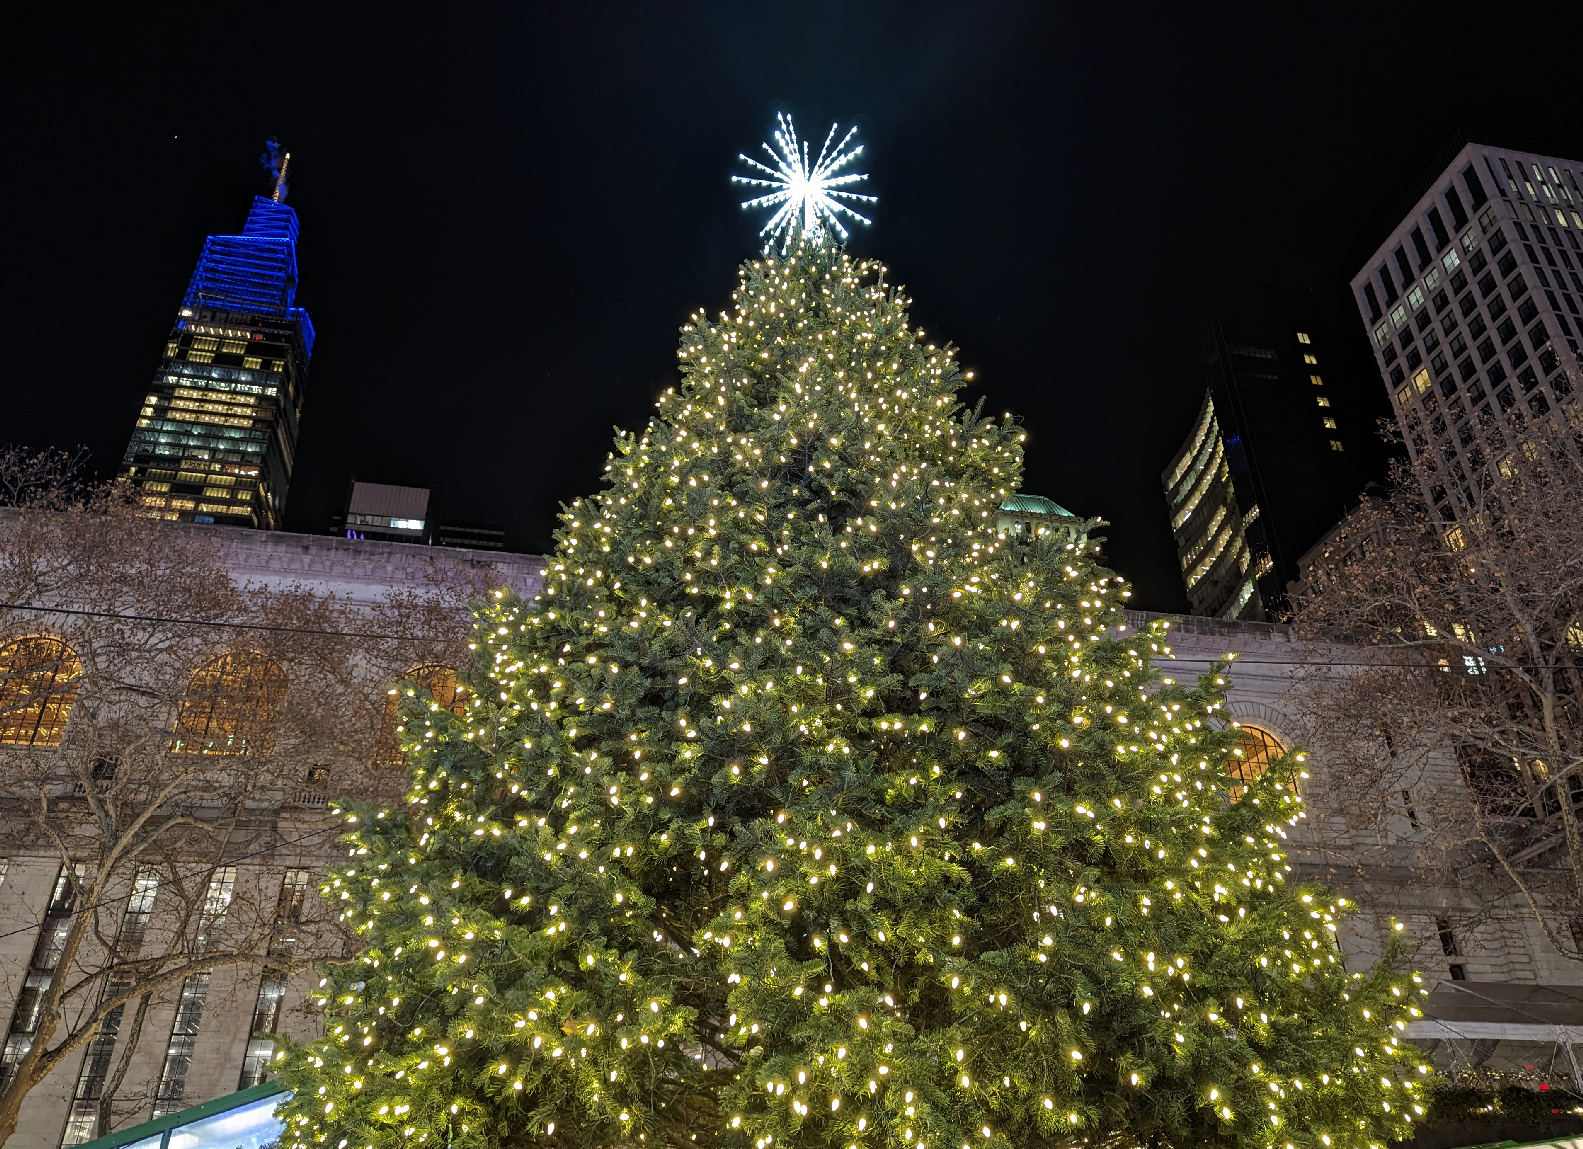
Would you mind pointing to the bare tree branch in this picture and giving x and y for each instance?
(1470, 724)
(160, 719)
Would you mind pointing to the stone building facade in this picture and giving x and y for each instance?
(1503, 996)
(197, 1037)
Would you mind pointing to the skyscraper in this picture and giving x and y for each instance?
(217, 435)
(1283, 442)
(1473, 306)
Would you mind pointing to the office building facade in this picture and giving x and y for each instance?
(216, 438)
(1474, 309)
(1282, 444)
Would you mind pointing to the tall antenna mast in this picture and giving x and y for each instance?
(281, 186)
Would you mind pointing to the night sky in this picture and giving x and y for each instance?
(507, 210)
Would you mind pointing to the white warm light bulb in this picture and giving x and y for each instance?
(808, 197)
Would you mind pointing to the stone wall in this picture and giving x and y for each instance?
(363, 571)
(357, 571)
(1380, 868)
(1512, 976)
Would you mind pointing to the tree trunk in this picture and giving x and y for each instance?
(11, 1098)
(1563, 786)
(27, 1075)
(112, 1085)
(1569, 828)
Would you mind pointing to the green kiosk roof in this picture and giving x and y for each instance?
(241, 1120)
(1036, 505)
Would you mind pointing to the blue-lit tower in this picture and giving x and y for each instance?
(217, 435)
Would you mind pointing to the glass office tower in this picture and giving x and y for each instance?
(217, 435)
(1283, 444)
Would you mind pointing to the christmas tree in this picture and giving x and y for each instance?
(806, 808)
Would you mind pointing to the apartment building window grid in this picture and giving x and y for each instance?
(194, 992)
(1488, 337)
(83, 1115)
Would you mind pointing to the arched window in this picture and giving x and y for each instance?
(232, 706)
(38, 684)
(1251, 756)
(440, 682)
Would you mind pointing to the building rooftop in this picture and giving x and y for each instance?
(388, 500)
(254, 272)
(364, 571)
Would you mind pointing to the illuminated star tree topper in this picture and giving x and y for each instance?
(807, 198)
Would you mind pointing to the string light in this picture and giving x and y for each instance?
(805, 786)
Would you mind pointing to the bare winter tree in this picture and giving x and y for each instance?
(170, 736)
(44, 479)
(1465, 725)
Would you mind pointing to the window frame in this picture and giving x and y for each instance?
(432, 678)
(37, 695)
(215, 717)
(1246, 769)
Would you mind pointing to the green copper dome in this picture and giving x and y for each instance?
(1035, 505)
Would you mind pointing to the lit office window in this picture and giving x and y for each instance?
(40, 972)
(183, 1039)
(95, 1072)
(194, 993)
(266, 1017)
(272, 986)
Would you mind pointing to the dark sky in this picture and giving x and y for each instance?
(507, 210)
